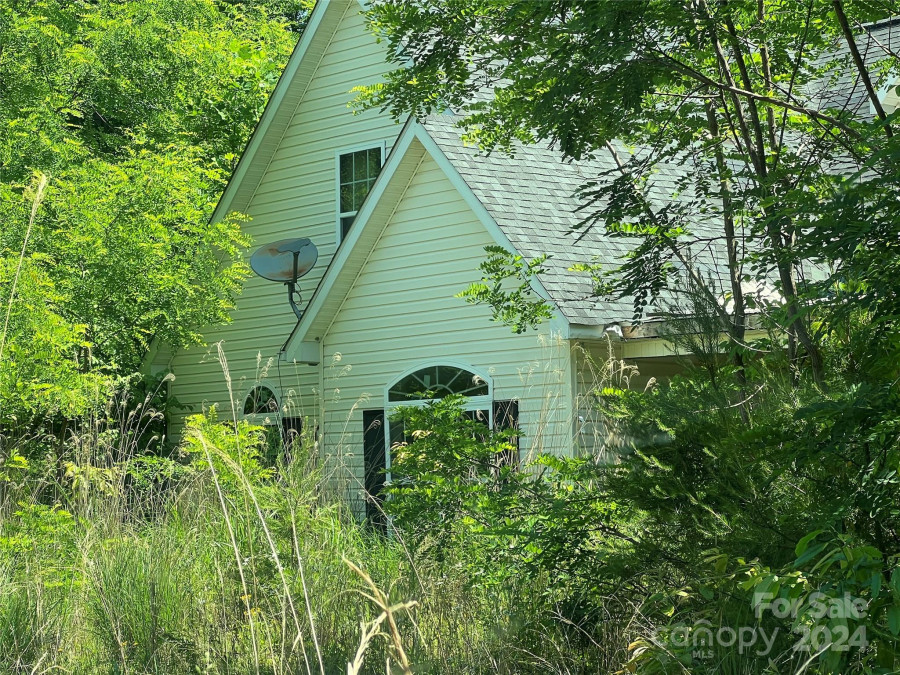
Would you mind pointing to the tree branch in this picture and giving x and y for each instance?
(685, 69)
(860, 65)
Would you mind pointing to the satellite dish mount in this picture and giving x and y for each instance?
(286, 261)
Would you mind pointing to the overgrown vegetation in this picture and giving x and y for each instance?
(749, 520)
(212, 561)
(767, 472)
(119, 125)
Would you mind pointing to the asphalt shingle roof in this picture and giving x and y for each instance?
(532, 197)
(844, 90)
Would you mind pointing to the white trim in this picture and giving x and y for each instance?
(558, 321)
(343, 252)
(365, 262)
(337, 180)
(430, 363)
(271, 386)
(483, 402)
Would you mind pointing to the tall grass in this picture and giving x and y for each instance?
(226, 566)
(116, 560)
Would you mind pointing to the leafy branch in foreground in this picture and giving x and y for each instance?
(739, 114)
(507, 287)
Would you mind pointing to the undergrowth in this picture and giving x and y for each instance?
(213, 561)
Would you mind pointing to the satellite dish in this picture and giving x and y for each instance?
(286, 261)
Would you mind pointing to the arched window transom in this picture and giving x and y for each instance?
(260, 400)
(439, 381)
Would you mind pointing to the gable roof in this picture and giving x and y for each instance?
(398, 171)
(528, 201)
(532, 196)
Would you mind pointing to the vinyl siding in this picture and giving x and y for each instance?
(601, 363)
(594, 366)
(401, 314)
(295, 198)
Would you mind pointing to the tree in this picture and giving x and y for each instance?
(745, 476)
(738, 91)
(137, 113)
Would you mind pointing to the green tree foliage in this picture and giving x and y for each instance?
(136, 112)
(769, 468)
(740, 94)
(515, 306)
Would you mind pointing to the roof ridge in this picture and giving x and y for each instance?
(891, 20)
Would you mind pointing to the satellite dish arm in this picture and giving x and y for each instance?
(292, 289)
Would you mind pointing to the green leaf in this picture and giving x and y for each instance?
(804, 542)
(893, 615)
(809, 554)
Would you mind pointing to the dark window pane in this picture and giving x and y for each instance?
(398, 433)
(360, 190)
(359, 165)
(374, 163)
(346, 168)
(506, 416)
(260, 400)
(273, 444)
(347, 198)
(441, 381)
(291, 428)
(346, 222)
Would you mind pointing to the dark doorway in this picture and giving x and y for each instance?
(374, 466)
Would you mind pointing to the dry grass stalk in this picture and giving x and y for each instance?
(35, 205)
(388, 612)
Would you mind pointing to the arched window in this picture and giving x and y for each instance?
(418, 387)
(437, 382)
(262, 400)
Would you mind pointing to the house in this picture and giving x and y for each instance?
(400, 214)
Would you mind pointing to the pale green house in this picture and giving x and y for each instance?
(400, 214)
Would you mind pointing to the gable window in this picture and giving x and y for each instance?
(441, 381)
(357, 171)
(282, 429)
(416, 388)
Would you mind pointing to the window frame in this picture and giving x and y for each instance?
(483, 402)
(378, 145)
(261, 418)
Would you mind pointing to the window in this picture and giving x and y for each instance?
(282, 430)
(260, 400)
(436, 381)
(357, 172)
(441, 381)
